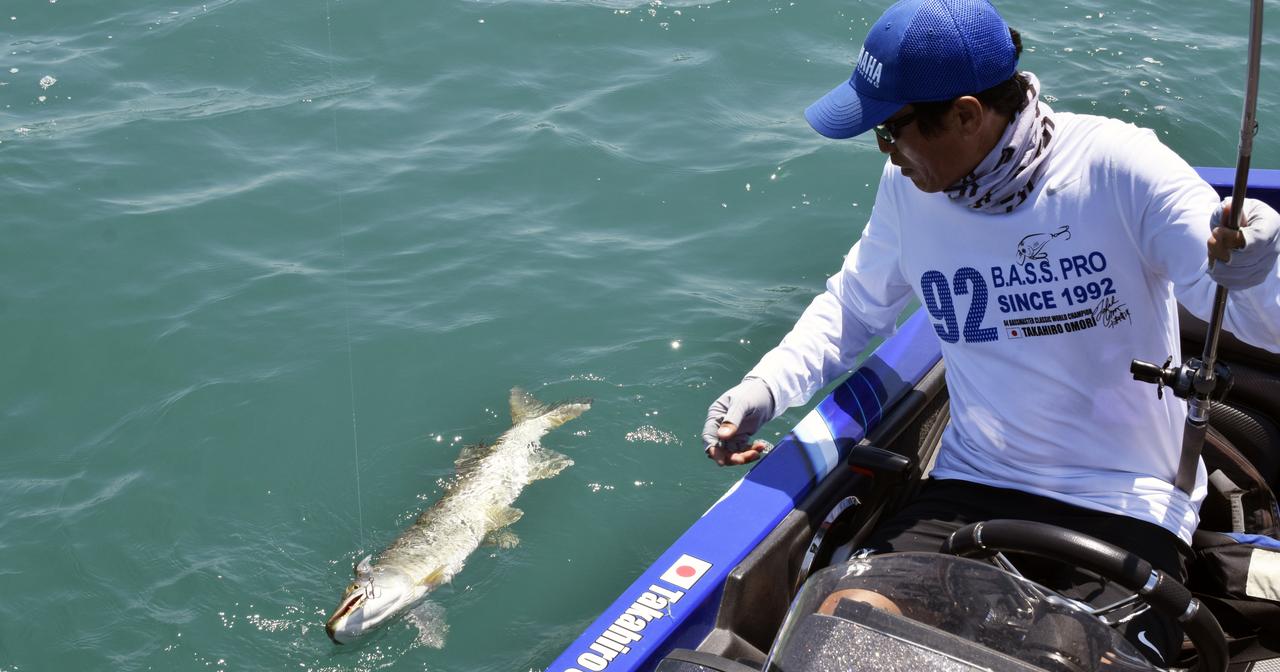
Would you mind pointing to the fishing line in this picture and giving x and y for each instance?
(346, 290)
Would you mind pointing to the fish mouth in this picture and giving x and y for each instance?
(340, 615)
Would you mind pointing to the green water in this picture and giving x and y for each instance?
(267, 266)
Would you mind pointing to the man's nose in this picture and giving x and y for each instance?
(885, 147)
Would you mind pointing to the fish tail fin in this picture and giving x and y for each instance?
(564, 412)
(1065, 232)
(524, 407)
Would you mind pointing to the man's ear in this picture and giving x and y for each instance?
(967, 114)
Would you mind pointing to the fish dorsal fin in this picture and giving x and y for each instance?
(363, 567)
(548, 463)
(469, 456)
(524, 406)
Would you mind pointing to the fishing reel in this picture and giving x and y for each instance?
(1184, 381)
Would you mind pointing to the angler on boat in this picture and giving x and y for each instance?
(1054, 431)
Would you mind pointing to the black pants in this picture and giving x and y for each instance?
(941, 507)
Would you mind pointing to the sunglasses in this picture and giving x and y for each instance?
(889, 131)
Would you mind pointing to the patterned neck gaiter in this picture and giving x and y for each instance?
(1008, 175)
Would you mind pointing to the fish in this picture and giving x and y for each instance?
(477, 508)
(1030, 247)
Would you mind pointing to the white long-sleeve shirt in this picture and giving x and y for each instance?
(1040, 312)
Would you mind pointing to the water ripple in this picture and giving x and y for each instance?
(188, 105)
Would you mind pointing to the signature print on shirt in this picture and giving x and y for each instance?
(1110, 312)
(1076, 287)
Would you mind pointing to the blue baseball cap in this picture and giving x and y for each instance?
(918, 51)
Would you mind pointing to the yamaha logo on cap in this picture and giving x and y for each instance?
(869, 67)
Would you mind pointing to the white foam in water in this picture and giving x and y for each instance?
(47, 81)
(428, 618)
(651, 434)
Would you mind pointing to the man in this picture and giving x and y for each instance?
(1049, 249)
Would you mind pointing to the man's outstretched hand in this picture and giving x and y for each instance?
(733, 418)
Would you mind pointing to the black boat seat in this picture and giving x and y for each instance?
(1254, 434)
(1249, 415)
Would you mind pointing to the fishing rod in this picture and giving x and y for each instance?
(1202, 380)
